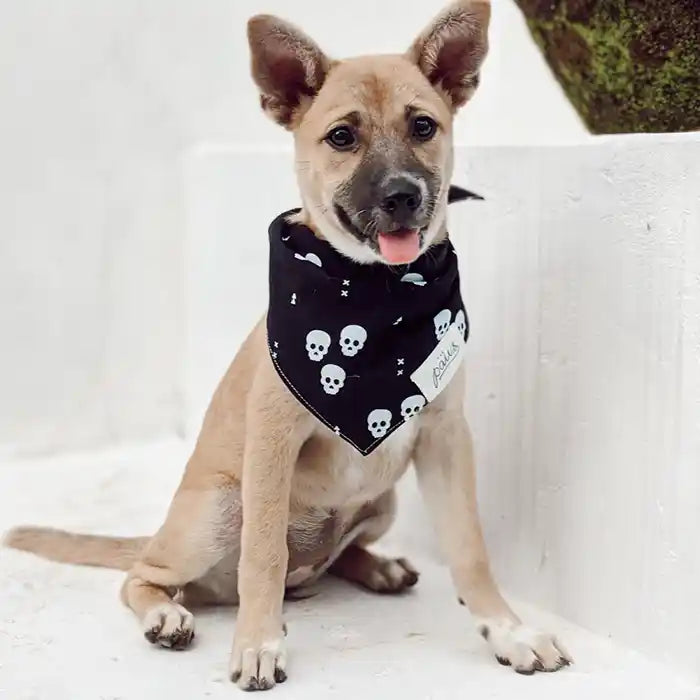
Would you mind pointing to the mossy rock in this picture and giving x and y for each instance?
(626, 65)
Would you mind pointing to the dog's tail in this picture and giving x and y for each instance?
(73, 548)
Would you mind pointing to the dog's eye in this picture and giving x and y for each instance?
(424, 128)
(342, 138)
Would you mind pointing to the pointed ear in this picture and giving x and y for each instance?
(287, 66)
(459, 194)
(451, 50)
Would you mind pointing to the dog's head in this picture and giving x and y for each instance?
(373, 135)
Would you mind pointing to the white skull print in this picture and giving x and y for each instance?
(379, 422)
(317, 344)
(442, 323)
(352, 340)
(461, 322)
(332, 378)
(412, 406)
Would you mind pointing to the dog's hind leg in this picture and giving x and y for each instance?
(377, 573)
(202, 527)
(355, 563)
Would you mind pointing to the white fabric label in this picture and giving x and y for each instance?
(441, 365)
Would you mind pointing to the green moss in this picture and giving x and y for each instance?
(626, 65)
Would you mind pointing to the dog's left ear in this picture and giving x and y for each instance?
(451, 50)
(287, 66)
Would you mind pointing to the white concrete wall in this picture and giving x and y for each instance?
(98, 100)
(582, 278)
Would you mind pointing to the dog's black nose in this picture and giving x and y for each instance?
(401, 197)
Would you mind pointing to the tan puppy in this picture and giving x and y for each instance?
(366, 130)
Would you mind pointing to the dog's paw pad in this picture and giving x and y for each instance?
(170, 626)
(259, 667)
(526, 650)
(392, 576)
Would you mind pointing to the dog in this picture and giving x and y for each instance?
(273, 496)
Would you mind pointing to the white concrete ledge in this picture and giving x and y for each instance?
(582, 277)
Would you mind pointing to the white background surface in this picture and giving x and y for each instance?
(99, 100)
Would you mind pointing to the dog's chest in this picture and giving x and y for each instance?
(333, 474)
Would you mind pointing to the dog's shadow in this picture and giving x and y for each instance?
(336, 616)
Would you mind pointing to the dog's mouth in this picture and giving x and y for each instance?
(347, 223)
(397, 245)
(400, 246)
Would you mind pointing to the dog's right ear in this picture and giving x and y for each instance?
(287, 66)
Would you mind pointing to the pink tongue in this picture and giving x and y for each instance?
(399, 247)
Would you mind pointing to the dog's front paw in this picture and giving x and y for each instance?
(258, 664)
(525, 649)
(169, 625)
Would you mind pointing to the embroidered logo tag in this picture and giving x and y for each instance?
(440, 366)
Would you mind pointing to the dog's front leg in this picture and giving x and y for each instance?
(258, 659)
(445, 469)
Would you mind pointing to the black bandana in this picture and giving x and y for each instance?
(363, 347)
